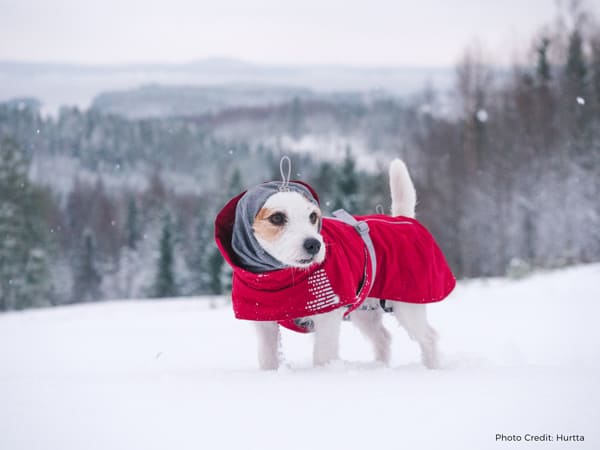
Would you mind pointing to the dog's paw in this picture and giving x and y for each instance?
(270, 362)
(430, 355)
(269, 366)
(431, 360)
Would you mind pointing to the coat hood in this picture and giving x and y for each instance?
(248, 252)
(233, 227)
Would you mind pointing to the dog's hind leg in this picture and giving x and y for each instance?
(327, 336)
(413, 317)
(268, 345)
(369, 321)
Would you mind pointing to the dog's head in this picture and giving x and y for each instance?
(276, 229)
(287, 227)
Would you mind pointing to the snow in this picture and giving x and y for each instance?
(482, 115)
(332, 147)
(581, 100)
(60, 172)
(521, 356)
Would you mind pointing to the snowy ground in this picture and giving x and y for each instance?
(521, 357)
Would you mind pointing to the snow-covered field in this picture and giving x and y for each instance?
(520, 357)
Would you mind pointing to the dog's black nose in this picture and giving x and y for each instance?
(312, 246)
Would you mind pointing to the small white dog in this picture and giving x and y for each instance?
(287, 228)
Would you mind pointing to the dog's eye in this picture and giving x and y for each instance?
(313, 217)
(277, 219)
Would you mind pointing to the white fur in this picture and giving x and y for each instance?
(404, 195)
(327, 336)
(268, 345)
(371, 326)
(413, 317)
(288, 249)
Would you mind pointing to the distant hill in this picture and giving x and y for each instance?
(57, 84)
(169, 101)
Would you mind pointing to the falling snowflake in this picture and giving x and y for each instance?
(482, 115)
(425, 108)
(581, 100)
(37, 131)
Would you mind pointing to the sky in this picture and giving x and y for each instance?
(363, 33)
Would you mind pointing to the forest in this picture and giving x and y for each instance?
(97, 206)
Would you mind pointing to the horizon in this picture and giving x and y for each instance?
(222, 60)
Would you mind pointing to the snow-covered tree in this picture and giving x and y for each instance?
(575, 68)
(87, 279)
(198, 262)
(215, 270)
(236, 183)
(132, 224)
(24, 274)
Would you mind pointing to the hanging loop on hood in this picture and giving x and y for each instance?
(285, 178)
(379, 209)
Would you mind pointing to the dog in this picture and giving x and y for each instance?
(278, 230)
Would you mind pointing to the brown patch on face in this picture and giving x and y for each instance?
(319, 213)
(263, 228)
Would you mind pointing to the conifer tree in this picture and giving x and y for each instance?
(347, 185)
(86, 286)
(236, 184)
(324, 184)
(132, 224)
(543, 65)
(576, 67)
(165, 285)
(215, 271)
(38, 289)
(24, 273)
(198, 264)
(595, 69)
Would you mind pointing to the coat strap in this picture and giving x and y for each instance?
(362, 229)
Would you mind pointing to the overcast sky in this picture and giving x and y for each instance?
(374, 32)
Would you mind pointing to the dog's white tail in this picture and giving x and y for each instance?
(404, 196)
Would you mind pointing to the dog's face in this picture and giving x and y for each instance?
(287, 227)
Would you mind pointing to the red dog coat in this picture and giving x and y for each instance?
(410, 268)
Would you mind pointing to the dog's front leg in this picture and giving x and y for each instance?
(327, 336)
(268, 345)
(369, 322)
